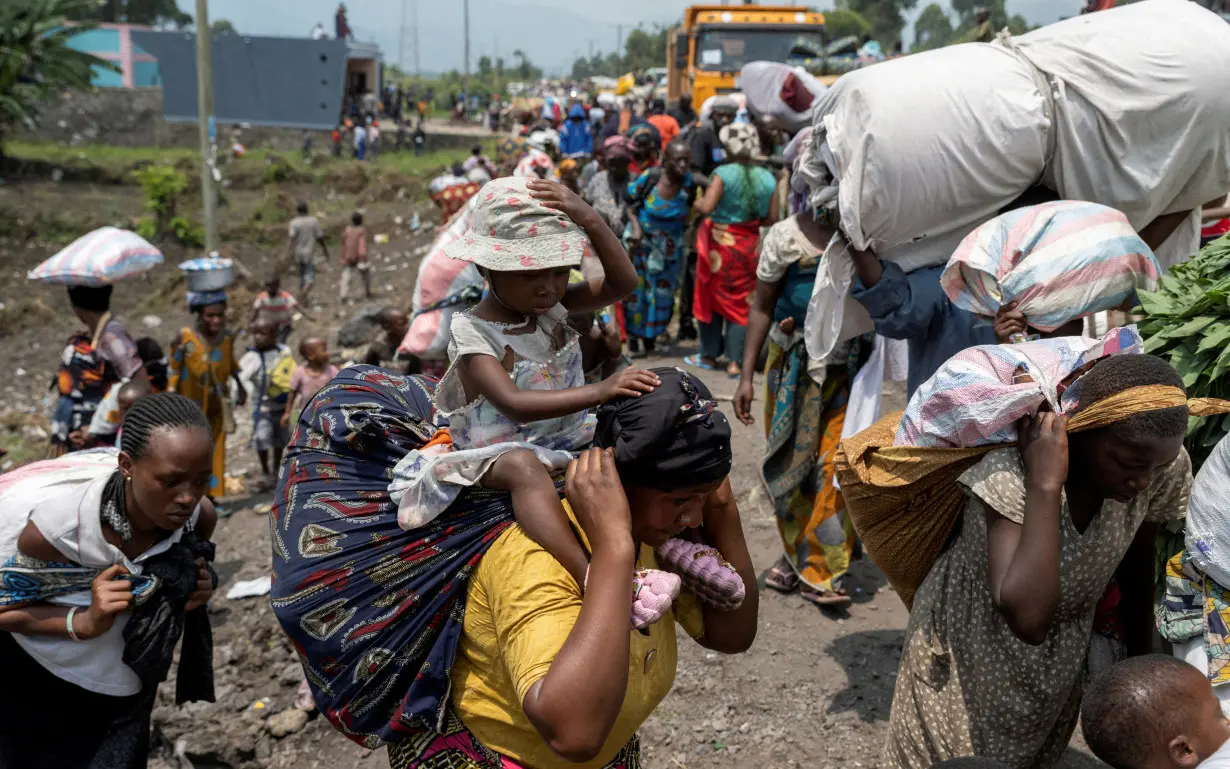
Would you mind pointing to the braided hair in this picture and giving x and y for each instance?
(155, 412)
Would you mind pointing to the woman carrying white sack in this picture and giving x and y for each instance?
(1194, 614)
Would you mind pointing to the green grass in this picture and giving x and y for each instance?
(117, 161)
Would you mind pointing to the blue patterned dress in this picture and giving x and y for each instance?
(647, 311)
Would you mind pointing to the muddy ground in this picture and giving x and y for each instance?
(814, 691)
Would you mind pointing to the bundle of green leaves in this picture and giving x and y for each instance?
(1187, 322)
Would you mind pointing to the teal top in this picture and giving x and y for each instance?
(746, 193)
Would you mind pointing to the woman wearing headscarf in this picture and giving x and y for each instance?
(535, 672)
(94, 362)
(661, 202)
(998, 641)
(739, 202)
(103, 567)
(804, 412)
(646, 145)
(607, 191)
(202, 362)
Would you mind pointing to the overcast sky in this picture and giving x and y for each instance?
(551, 32)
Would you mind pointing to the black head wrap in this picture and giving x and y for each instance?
(671, 438)
(90, 298)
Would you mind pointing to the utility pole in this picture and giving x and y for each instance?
(205, 122)
(466, 11)
(414, 21)
(619, 40)
(401, 39)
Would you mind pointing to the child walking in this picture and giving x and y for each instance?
(515, 392)
(267, 368)
(354, 256)
(311, 377)
(277, 306)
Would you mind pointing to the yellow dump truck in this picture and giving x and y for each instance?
(706, 52)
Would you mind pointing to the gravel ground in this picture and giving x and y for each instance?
(814, 690)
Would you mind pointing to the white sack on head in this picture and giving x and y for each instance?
(1142, 106)
(787, 94)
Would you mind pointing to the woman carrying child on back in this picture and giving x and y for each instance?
(515, 392)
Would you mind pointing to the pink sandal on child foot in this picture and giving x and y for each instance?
(653, 593)
(704, 572)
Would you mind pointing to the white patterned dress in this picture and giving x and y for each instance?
(967, 686)
(427, 481)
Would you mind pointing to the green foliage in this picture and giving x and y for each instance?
(188, 232)
(643, 49)
(147, 227)
(932, 28)
(886, 17)
(1187, 322)
(223, 27)
(846, 23)
(36, 64)
(153, 13)
(162, 186)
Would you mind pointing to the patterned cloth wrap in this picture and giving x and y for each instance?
(443, 287)
(976, 398)
(1059, 261)
(374, 611)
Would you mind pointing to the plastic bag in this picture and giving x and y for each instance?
(1059, 262)
(99, 258)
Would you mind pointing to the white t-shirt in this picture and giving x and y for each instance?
(71, 523)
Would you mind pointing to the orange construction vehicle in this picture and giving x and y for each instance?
(706, 52)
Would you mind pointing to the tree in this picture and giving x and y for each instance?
(223, 27)
(887, 17)
(643, 50)
(525, 68)
(484, 67)
(844, 23)
(36, 63)
(932, 29)
(153, 13)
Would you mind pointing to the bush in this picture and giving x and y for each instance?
(188, 232)
(162, 186)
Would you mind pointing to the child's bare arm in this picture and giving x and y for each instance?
(619, 277)
(483, 374)
(290, 407)
(537, 508)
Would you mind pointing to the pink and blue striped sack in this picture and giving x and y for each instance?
(976, 398)
(1059, 261)
(99, 258)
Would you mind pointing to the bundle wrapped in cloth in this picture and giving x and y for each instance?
(1124, 108)
(1058, 261)
(904, 500)
(443, 287)
(787, 94)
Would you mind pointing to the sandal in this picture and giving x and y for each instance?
(782, 577)
(704, 572)
(828, 598)
(699, 362)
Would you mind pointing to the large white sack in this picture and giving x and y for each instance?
(765, 85)
(1208, 516)
(957, 132)
(1142, 106)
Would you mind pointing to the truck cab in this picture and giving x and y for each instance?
(706, 52)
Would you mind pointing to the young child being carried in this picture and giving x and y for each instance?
(515, 392)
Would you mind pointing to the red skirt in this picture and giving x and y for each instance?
(725, 270)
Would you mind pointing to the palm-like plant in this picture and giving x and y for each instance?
(36, 63)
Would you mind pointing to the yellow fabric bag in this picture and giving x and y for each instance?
(904, 501)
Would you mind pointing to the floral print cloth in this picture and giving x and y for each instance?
(428, 480)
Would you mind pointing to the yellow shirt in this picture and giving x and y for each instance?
(522, 605)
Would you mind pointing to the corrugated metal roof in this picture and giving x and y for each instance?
(268, 81)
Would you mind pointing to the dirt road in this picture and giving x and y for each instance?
(815, 690)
